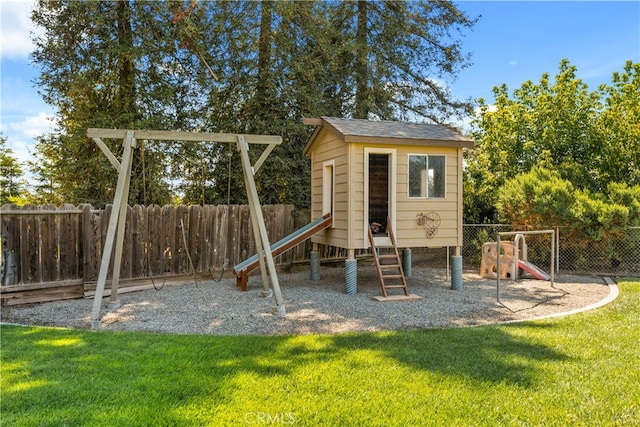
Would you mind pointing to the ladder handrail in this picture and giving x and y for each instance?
(379, 266)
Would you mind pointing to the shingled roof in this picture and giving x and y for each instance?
(389, 132)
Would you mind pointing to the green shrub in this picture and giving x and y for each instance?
(541, 198)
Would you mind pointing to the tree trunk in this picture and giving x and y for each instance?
(263, 87)
(362, 107)
(125, 104)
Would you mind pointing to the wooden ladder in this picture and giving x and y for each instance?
(387, 262)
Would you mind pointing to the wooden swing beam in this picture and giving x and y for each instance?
(115, 231)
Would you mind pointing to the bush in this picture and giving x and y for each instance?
(541, 198)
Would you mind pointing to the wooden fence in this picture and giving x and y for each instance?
(51, 252)
(60, 248)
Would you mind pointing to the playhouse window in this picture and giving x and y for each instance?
(426, 175)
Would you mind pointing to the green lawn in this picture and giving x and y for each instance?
(579, 370)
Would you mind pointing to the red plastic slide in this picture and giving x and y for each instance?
(534, 270)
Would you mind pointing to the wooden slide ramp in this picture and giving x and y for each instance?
(243, 269)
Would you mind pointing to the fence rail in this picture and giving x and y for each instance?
(59, 248)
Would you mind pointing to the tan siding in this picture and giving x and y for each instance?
(349, 201)
(328, 146)
(408, 232)
(356, 240)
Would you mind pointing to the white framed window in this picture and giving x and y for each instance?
(427, 175)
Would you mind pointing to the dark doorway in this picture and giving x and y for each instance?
(378, 192)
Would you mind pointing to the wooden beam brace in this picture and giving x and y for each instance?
(112, 159)
(310, 121)
(263, 157)
(229, 138)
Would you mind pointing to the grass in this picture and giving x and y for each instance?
(579, 370)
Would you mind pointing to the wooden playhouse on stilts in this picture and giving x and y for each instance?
(387, 185)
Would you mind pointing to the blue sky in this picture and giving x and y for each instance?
(513, 42)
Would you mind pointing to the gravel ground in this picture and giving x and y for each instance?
(319, 307)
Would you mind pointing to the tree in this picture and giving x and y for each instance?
(559, 125)
(47, 188)
(402, 49)
(357, 59)
(618, 126)
(91, 60)
(267, 81)
(11, 185)
(237, 67)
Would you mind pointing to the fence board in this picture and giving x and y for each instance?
(246, 243)
(195, 243)
(168, 225)
(298, 220)
(88, 248)
(233, 236)
(154, 246)
(208, 227)
(220, 237)
(125, 264)
(43, 295)
(48, 253)
(286, 226)
(139, 239)
(32, 254)
(10, 235)
(181, 261)
(69, 245)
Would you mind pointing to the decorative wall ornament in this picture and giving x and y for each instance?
(430, 221)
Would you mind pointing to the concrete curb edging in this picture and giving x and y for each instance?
(614, 292)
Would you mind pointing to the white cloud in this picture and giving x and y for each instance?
(34, 126)
(20, 149)
(513, 62)
(21, 136)
(15, 28)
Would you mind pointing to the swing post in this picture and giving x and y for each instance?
(257, 218)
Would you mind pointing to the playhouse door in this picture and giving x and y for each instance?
(380, 192)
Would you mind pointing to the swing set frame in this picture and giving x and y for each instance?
(115, 231)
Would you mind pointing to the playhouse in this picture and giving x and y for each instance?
(366, 174)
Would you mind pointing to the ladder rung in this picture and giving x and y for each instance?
(395, 264)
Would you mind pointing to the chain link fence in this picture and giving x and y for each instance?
(618, 255)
